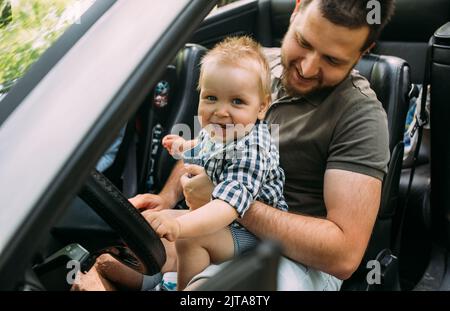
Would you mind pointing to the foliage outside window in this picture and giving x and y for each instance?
(28, 28)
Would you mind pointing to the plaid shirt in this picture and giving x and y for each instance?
(244, 170)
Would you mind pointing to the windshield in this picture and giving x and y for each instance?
(28, 28)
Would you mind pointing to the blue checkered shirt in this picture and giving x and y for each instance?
(243, 170)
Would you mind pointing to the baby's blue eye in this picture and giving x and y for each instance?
(237, 101)
(211, 98)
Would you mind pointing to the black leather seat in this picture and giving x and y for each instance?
(407, 36)
(389, 77)
(186, 102)
(144, 132)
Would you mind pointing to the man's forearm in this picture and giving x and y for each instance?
(314, 242)
(172, 190)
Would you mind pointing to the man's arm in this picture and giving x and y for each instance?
(335, 244)
(172, 190)
(170, 195)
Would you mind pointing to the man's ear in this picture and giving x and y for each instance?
(263, 107)
(293, 15)
(367, 51)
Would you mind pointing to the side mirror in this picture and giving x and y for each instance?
(5, 13)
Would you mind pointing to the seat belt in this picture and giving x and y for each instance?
(422, 119)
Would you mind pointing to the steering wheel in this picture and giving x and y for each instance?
(142, 249)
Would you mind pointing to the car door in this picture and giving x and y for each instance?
(62, 115)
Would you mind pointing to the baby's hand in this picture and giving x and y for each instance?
(174, 144)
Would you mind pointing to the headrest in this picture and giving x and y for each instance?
(413, 20)
(416, 20)
(389, 77)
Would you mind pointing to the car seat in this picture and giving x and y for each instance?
(186, 102)
(407, 36)
(389, 77)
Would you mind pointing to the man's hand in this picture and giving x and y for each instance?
(165, 226)
(197, 187)
(150, 201)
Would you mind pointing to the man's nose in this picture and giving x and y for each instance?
(310, 66)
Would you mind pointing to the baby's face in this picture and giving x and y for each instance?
(230, 99)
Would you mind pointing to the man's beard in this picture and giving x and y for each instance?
(290, 69)
(292, 91)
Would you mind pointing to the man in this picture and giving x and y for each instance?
(333, 142)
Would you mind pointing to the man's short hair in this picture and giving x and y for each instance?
(353, 14)
(233, 50)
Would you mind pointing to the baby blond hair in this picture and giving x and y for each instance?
(234, 50)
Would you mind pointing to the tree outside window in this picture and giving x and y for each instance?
(27, 29)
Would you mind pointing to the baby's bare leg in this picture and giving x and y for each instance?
(118, 273)
(194, 255)
(171, 255)
(92, 281)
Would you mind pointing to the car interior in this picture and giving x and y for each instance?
(411, 236)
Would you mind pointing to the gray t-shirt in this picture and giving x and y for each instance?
(341, 128)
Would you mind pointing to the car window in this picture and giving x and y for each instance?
(28, 28)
